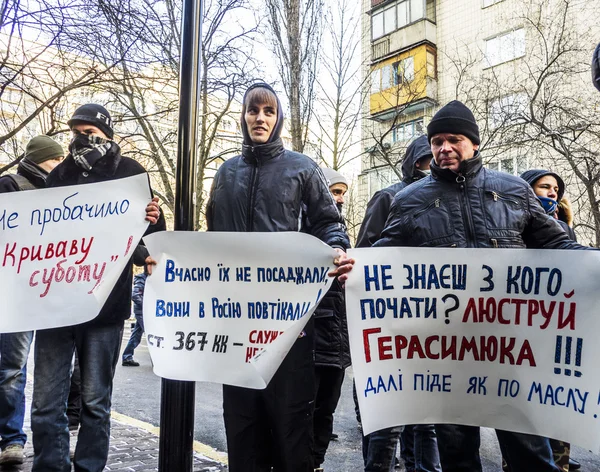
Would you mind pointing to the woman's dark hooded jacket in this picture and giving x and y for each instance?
(111, 166)
(270, 189)
(532, 175)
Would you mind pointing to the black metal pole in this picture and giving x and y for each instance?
(175, 452)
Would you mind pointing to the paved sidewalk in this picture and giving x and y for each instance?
(131, 449)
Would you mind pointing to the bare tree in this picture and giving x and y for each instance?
(35, 75)
(296, 27)
(143, 89)
(339, 87)
(545, 111)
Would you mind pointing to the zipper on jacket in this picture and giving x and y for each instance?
(496, 196)
(461, 180)
(435, 203)
(253, 181)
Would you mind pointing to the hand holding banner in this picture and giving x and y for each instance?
(489, 337)
(227, 307)
(62, 249)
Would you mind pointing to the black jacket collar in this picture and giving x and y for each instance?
(467, 169)
(262, 152)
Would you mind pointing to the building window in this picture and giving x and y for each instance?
(404, 71)
(431, 65)
(381, 177)
(510, 165)
(509, 109)
(376, 81)
(396, 16)
(386, 80)
(505, 47)
(408, 131)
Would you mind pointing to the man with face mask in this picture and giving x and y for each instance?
(93, 157)
(42, 154)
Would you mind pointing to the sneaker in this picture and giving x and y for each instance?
(334, 437)
(130, 363)
(12, 455)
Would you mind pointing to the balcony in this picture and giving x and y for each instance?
(404, 83)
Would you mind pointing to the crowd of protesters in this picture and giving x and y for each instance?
(286, 427)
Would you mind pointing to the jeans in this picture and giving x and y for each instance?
(14, 350)
(379, 449)
(135, 338)
(419, 448)
(459, 450)
(329, 387)
(98, 352)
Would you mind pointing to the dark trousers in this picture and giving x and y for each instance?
(329, 387)
(273, 427)
(74, 402)
(459, 450)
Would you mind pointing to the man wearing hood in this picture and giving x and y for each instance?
(463, 204)
(42, 154)
(271, 189)
(415, 166)
(332, 348)
(93, 157)
(419, 448)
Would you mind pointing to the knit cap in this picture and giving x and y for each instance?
(334, 177)
(95, 115)
(454, 118)
(42, 148)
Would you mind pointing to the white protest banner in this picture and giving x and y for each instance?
(499, 338)
(227, 307)
(62, 250)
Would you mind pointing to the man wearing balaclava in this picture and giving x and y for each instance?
(93, 157)
(270, 189)
(42, 154)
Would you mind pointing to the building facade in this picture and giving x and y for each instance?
(520, 66)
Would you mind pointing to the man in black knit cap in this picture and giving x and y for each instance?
(468, 212)
(93, 157)
(42, 154)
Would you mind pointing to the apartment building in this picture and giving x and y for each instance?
(519, 65)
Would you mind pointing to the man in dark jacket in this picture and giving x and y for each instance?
(419, 448)
(94, 157)
(137, 296)
(42, 154)
(463, 204)
(415, 166)
(332, 348)
(271, 189)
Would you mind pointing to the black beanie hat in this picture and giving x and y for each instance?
(454, 118)
(95, 115)
(531, 176)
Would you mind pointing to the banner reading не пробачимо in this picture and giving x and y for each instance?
(62, 250)
(491, 337)
(227, 307)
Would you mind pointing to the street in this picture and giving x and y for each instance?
(137, 395)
